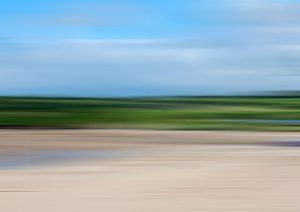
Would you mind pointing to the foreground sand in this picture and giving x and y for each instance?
(167, 171)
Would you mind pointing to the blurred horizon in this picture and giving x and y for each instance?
(149, 105)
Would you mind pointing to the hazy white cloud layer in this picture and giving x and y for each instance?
(251, 46)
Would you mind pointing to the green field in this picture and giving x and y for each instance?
(172, 113)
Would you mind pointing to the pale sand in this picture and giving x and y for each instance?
(170, 171)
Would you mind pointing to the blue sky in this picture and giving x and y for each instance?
(140, 48)
(31, 19)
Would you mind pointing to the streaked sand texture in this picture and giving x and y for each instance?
(168, 171)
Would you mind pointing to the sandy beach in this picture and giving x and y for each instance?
(162, 171)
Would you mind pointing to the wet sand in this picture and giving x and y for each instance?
(167, 171)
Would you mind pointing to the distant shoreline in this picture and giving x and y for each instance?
(238, 113)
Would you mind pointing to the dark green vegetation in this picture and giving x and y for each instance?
(184, 113)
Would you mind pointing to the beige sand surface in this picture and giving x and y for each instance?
(168, 171)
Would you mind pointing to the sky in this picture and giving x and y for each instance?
(116, 48)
